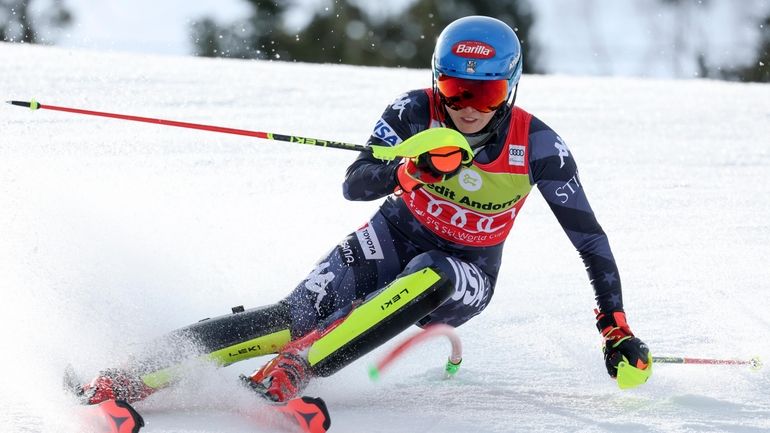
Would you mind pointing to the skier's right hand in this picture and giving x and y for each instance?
(430, 167)
(626, 357)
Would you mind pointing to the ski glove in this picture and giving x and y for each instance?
(626, 357)
(431, 167)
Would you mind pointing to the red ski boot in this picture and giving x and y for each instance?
(114, 384)
(286, 375)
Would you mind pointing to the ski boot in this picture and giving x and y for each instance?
(286, 375)
(113, 384)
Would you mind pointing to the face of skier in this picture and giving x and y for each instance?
(469, 120)
(471, 104)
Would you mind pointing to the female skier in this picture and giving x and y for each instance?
(432, 251)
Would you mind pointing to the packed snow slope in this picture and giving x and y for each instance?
(113, 232)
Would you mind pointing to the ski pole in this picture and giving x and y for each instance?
(754, 363)
(34, 105)
(452, 365)
(425, 141)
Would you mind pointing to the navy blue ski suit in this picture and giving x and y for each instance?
(395, 242)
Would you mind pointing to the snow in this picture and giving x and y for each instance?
(114, 232)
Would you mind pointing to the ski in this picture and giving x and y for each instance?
(306, 414)
(111, 416)
(309, 414)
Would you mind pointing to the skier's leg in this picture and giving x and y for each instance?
(351, 333)
(473, 291)
(434, 287)
(223, 340)
(365, 260)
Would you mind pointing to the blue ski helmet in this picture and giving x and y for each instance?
(478, 48)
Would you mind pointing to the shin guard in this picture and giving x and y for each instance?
(381, 317)
(224, 340)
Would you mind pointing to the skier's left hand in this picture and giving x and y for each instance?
(442, 161)
(433, 166)
(626, 357)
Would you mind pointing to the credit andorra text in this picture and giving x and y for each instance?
(465, 200)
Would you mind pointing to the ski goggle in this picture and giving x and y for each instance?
(483, 95)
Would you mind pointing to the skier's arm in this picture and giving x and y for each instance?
(369, 178)
(555, 173)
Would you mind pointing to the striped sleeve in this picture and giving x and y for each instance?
(554, 171)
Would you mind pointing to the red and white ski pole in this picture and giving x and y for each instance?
(34, 105)
(753, 363)
(418, 144)
(455, 357)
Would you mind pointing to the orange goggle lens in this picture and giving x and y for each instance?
(483, 95)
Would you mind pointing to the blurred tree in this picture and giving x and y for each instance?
(434, 15)
(345, 33)
(684, 11)
(17, 24)
(409, 39)
(260, 36)
(759, 70)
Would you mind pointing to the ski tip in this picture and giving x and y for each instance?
(138, 421)
(310, 412)
(112, 416)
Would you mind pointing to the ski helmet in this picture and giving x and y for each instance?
(478, 48)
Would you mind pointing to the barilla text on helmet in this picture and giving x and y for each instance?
(473, 49)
